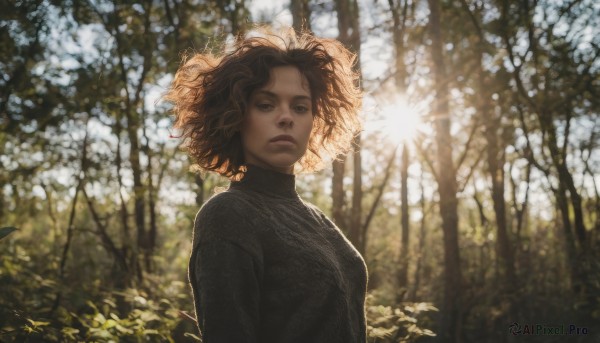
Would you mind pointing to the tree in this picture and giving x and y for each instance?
(495, 145)
(30, 98)
(349, 35)
(400, 17)
(554, 80)
(446, 179)
(301, 15)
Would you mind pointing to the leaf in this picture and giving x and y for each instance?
(120, 328)
(5, 231)
(108, 324)
(151, 332)
(191, 335)
(110, 303)
(69, 332)
(35, 324)
(147, 316)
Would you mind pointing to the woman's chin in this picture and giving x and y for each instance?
(281, 164)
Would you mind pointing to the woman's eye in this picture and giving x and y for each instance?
(301, 108)
(264, 106)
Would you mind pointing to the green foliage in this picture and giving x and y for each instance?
(388, 324)
(147, 322)
(29, 292)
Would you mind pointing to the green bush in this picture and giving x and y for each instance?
(87, 312)
(387, 324)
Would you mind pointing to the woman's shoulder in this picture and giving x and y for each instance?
(226, 215)
(230, 200)
(314, 209)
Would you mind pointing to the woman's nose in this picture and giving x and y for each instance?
(285, 118)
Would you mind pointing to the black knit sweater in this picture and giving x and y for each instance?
(268, 267)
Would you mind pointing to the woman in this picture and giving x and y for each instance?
(266, 266)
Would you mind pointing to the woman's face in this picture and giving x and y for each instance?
(278, 121)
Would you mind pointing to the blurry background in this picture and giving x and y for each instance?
(473, 190)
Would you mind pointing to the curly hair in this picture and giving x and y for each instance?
(210, 94)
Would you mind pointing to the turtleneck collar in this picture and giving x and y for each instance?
(268, 182)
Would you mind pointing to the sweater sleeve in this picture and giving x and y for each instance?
(225, 272)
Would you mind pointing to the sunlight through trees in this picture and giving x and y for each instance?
(473, 191)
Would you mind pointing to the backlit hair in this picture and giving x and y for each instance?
(210, 94)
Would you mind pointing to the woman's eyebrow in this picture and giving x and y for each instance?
(273, 95)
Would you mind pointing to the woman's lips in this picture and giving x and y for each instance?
(283, 139)
(284, 143)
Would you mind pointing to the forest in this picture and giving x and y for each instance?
(472, 191)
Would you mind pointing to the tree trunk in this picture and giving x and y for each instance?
(495, 166)
(495, 157)
(450, 328)
(348, 26)
(420, 255)
(399, 10)
(579, 255)
(564, 175)
(71, 223)
(569, 241)
(138, 186)
(128, 247)
(132, 99)
(398, 31)
(237, 16)
(520, 209)
(405, 224)
(300, 15)
(338, 196)
(153, 230)
(349, 35)
(2, 201)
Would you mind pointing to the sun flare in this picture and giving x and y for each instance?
(397, 120)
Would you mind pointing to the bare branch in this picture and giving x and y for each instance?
(380, 190)
(471, 170)
(467, 144)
